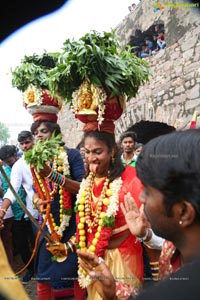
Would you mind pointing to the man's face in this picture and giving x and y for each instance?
(42, 133)
(128, 145)
(26, 144)
(155, 211)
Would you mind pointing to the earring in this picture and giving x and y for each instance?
(113, 156)
(180, 222)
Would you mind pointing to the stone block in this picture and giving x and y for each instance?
(191, 104)
(179, 90)
(180, 98)
(193, 92)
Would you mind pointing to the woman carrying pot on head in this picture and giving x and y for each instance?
(101, 226)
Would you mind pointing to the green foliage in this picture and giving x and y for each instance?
(4, 134)
(109, 221)
(43, 151)
(98, 58)
(34, 70)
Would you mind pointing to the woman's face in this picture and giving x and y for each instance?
(42, 133)
(97, 156)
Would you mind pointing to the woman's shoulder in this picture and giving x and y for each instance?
(129, 171)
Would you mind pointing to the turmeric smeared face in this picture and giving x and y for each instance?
(97, 156)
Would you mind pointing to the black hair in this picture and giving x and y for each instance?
(116, 167)
(80, 144)
(7, 151)
(130, 134)
(23, 135)
(52, 127)
(138, 145)
(171, 164)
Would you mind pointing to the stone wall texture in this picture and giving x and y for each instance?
(173, 91)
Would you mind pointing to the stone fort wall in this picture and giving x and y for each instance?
(173, 91)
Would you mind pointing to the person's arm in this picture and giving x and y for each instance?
(138, 224)
(70, 185)
(99, 272)
(76, 171)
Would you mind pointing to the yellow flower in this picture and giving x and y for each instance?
(109, 193)
(80, 226)
(106, 201)
(81, 207)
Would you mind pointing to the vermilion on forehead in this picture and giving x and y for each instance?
(92, 147)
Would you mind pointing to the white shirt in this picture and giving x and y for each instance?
(155, 242)
(21, 175)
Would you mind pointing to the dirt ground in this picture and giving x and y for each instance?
(30, 287)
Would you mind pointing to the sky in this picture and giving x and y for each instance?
(48, 33)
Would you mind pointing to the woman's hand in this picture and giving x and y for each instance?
(41, 205)
(99, 272)
(58, 249)
(134, 216)
(45, 171)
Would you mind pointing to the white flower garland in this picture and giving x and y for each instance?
(63, 157)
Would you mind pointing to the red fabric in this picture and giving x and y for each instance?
(47, 99)
(79, 293)
(45, 116)
(45, 292)
(106, 126)
(113, 111)
(130, 249)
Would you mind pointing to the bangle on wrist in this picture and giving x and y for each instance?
(146, 237)
(35, 201)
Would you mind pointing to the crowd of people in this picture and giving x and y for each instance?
(156, 214)
(124, 200)
(152, 44)
(103, 221)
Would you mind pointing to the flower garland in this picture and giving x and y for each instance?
(97, 223)
(47, 191)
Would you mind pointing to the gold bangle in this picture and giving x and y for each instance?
(35, 201)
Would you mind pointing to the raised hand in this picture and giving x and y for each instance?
(134, 216)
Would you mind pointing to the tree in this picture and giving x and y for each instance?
(4, 134)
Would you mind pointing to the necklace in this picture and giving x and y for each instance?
(99, 225)
(98, 180)
(47, 190)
